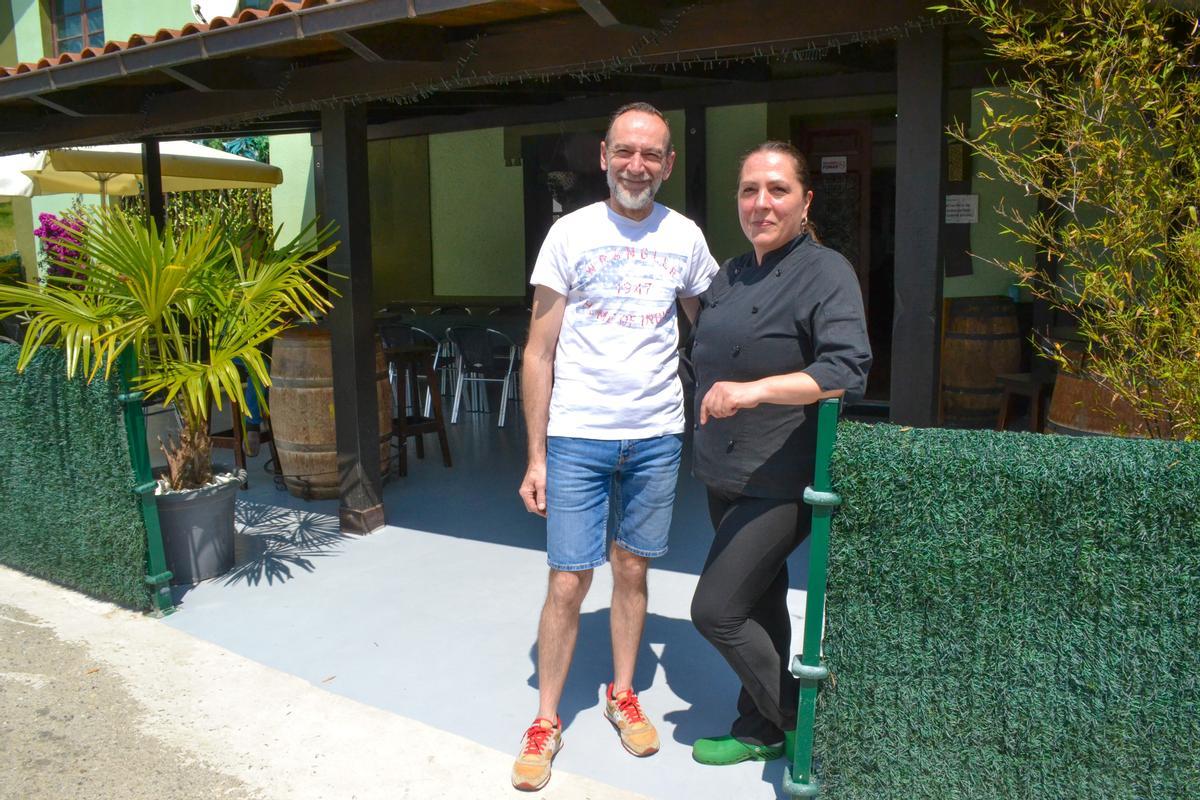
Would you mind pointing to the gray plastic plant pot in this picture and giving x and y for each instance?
(198, 530)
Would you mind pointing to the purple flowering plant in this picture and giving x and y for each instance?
(61, 245)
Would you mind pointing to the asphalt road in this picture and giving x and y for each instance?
(69, 728)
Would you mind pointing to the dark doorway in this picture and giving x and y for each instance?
(853, 212)
(561, 174)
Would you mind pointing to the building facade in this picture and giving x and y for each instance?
(507, 144)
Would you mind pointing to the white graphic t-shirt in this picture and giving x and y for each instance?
(616, 366)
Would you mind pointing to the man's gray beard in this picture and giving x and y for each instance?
(627, 200)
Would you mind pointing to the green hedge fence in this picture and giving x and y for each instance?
(70, 514)
(1011, 616)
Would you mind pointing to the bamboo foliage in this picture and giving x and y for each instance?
(1099, 118)
(190, 304)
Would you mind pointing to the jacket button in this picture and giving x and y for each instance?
(729, 446)
(754, 309)
(737, 348)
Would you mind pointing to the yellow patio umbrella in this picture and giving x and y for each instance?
(117, 170)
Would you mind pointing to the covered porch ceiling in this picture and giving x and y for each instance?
(429, 65)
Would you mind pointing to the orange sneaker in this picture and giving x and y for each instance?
(543, 739)
(625, 713)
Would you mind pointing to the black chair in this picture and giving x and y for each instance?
(484, 356)
(397, 310)
(393, 333)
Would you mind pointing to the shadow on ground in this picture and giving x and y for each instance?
(273, 541)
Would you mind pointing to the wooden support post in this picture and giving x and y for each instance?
(696, 154)
(356, 417)
(152, 191)
(920, 178)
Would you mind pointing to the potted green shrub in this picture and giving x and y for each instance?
(191, 305)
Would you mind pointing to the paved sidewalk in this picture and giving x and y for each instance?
(97, 702)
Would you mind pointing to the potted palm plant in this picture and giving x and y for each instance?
(190, 305)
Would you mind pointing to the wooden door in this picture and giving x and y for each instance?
(839, 161)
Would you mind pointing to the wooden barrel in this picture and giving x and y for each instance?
(302, 411)
(1081, 406)
(982, 340)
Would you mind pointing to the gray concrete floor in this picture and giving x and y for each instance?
(103, 703)
(434, 617)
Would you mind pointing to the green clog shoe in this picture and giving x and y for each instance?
(720, 751)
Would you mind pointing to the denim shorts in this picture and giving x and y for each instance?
(589, 479)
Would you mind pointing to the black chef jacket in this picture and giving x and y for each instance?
(800, 310)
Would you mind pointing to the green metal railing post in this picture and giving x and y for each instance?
(158, 576)
(798, 778)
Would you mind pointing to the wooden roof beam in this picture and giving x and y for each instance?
(622, 14)
(59, 107)
(555, 45)
(394, 43)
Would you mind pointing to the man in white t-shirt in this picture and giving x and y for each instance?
(604, 409)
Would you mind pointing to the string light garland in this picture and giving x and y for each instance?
(636, 57)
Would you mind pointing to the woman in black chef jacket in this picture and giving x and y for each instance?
(780, 328)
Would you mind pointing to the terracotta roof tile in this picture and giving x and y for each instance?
(167, 34)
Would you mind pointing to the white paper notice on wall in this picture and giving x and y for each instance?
(833, 164)
(962, 209)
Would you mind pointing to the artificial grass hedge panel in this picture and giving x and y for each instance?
(1011, 615)
(66, 483)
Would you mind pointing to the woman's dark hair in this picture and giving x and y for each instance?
(799, 166)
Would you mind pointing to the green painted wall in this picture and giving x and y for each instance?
(25, 24)
(673, 192)
(30, 24)
(8, 35)
(23, 235)
(401, 247)
(732, 130)
(125, 17)
(987, 239)
(293, 202)
(478, 216)
(24, 40)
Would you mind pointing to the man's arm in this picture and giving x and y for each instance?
(537, 378)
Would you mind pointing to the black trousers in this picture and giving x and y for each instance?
(740, 606)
